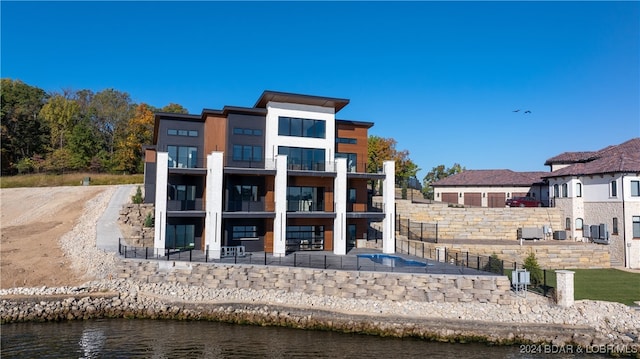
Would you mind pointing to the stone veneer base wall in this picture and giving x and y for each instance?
(344, 284)
(551, 256)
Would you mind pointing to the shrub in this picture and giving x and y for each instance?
(494, 265)
(531, 264)
(137, 198)
(149, 221)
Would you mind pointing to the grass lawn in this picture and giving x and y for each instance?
(67, 179)
(610, 285)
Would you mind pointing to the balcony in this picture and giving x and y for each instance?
(245, 206)
(185, 205)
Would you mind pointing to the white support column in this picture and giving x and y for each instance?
(162, 177)
(213, 195)
(564, 288)
(280, 197)
(340, 199)
(389, 201)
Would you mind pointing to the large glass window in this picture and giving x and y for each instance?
(565, 191)
(247, 153)
(636, 226)
(347, 140)
(578, 189)
(579, 224)
(308, 159)
(301, 127)
(305, 238)
(352, 160)
(245, 193)
(615, 225)
(635, 188)
(305, 199)
(175, 132)
(240, 232)
(180, 236)
(556, 191)
(182, 156)
(184, 197)
(614, 189)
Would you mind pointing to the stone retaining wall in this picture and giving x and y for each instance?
(550, 256)
(470, 223)
(131, 221)
(344, 284)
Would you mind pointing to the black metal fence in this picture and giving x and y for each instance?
(417, 231)
(543, 280)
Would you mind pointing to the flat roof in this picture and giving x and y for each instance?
(336, 103)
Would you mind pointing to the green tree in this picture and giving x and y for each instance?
(110, 110)
(23, 134)
(60, 112)
(83, 144)
(174, 108)
(531, 264)
(437, 173)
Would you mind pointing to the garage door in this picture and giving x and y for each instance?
(472, 199)
(450, 197)
(496, 199)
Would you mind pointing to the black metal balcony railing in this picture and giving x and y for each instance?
(245, 206)
(305, 206)
(185, 205)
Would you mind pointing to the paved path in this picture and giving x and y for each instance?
(107, 228)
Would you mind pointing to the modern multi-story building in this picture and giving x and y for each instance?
(284, 175)
(599, 193)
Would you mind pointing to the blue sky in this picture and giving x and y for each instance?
(442, 78)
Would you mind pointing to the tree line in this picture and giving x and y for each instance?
(104, 132)
(73, 130)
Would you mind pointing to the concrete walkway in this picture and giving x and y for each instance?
(107, 230)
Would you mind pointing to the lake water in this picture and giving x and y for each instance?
(122, 338)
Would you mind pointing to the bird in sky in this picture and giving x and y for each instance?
(518, 110)
(527, 111)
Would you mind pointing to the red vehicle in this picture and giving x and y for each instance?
(523, 202)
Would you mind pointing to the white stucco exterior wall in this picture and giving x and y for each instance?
(162, 174)
(388, 198)
(213, 218)
(277, 109)
(280, 221)
(340, 198)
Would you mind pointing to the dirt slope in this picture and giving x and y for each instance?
(31, 223)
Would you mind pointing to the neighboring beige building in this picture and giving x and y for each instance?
(599, 193)
(490, 188)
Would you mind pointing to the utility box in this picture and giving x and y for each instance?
(530, 233)
(561, 235)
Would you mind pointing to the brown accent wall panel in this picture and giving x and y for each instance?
(269, 198)
(360, 134)
(268, 236)
(150, 155)
(215, 134)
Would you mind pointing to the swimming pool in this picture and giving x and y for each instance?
(392, 261)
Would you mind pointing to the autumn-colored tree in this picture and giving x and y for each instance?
(384, 149)
(139, 131)
(437, 173)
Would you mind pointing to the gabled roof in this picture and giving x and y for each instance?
(624, 157)
(491, 178)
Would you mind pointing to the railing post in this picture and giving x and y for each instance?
(294, 259)
(478, 260)
(265, 258)
(436, 232)
(125, 251)
(502, 267)
(325, 261)
(146, 252)
(421, 229)
(544, 276)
